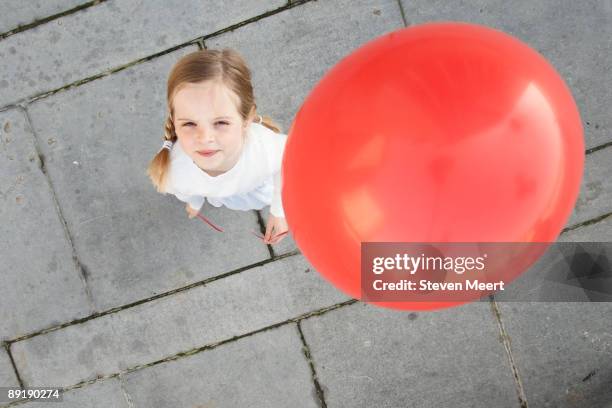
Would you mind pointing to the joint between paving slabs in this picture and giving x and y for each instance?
(7, 347)
(116, 309)
(505, 340)
(27, 100)
(47, 19)
(111, 71)
(210, 346)
(399, 3)
(126, 394)
(80, 267)
(596, 148)
(262, 229)
(313, 372)
(10, 106)
(233, 27)
(587, 222)
(293, 3)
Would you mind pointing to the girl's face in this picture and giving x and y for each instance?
(208, 126)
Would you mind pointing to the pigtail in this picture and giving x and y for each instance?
(270, 124)
(158, 167)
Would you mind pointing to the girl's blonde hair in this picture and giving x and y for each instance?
(225, 66)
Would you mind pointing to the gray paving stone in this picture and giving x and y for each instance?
(595, 198)
(7, 374)
(267, 370)
(17, 13)
(367, 356)
(108, 35)
(600, 231)
(39, 282)
(97, 140)
(563, 352)
(576, 37)
(224, 308)
(289, 52)
(552, 279)
(101, 394)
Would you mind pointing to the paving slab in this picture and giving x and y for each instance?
(595, 197)
(101, 394)
(549, 278)
(552, 279)
(224, 308)
(40, 284)
(7, 373)
(111, 34)
(16, 13)
(267, 369)
(97, 140)
(289, 52)
(575, 37)
(367, 356)
(563, 352)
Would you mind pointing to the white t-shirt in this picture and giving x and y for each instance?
(253, 182)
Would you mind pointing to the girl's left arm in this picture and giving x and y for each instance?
(276, 207)
(277, 224)
(280, 141)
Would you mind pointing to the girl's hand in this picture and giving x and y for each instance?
(276, 226)
(190, 211)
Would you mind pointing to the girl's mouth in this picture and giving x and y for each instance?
(207, 153)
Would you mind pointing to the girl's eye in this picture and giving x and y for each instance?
(217, 123)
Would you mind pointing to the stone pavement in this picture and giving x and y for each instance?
(108, 290)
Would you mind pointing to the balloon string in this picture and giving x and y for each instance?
(209, 223)
(258, 235)
(261, 236)
(282, 233)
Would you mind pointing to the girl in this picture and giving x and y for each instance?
(222, 153)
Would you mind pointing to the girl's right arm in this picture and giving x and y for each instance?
(190, 211)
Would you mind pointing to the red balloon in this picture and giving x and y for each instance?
(442, 132)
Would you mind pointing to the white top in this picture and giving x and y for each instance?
(253, 182)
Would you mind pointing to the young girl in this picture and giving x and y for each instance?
(225, 151)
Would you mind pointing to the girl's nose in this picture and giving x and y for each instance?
(206, 135)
